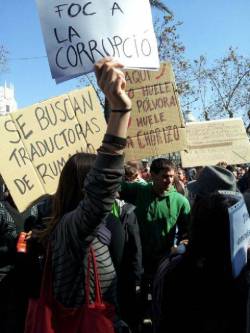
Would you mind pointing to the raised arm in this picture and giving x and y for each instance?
(103, 181)
(111, 80)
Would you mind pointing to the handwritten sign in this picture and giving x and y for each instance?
(214, 141)
(37, 141)
(156, 125)
(79, 33)
(239, 235)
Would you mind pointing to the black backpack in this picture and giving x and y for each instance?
(166, 266)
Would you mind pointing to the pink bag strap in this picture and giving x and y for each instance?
(98, 293)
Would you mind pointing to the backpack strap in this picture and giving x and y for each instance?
(166, 266)
(98, 292)
(104, 234)
(127, 208)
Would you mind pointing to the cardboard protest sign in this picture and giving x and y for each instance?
(79, 34)
(239, 234)
(21, 179)
(88, 112)
(210, 142)
(37, 141)
(157, 125)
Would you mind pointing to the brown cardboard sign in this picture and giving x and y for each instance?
(37, 141)
(211, 142)
(156, 126)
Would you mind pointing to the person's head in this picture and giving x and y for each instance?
(198, 171)
(70, 188)
(222, 164)
(145, 163)
(240, 172)
(131, 173)
(191, 174)
(181, 174)
(70, 191)
(210, 232)
(211, 179)
(136, 164)
(162, 174)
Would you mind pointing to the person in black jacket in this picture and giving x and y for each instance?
(13, 286)
(200, 294)
(127, 251)
(8, 239)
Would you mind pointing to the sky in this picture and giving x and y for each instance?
(209, 28)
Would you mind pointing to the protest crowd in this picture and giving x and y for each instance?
(101, 230)
(147, 242)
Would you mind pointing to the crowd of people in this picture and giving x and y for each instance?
(156, 234)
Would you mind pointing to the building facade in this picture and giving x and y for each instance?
(7, 100)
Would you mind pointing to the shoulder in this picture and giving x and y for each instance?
(179, 197)
(44, 207)
(4, 213)
(2, 208)
(34, 211)
(127, 208)
(145, 186)
(136, 186)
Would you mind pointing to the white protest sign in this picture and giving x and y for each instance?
(239, 235)
(37, 141)
(210, 142)
(79, 33)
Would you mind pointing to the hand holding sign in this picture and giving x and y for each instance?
(112, 82)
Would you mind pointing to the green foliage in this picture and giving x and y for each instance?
(172, 49)
(215, 89)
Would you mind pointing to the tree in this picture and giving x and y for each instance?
(161, 6)
(223, 87)
(170, 49)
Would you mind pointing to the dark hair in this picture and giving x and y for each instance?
(130, 172)
(135, 164)
(210, 233)
(230, 168)
(178, 186)
(70, 188)
(160, 164)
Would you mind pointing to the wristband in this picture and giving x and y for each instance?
(121, 110)
(115, 141)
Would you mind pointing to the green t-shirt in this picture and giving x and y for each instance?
(116, 211)
(158, 217)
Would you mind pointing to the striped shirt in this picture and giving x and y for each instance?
(75, 232)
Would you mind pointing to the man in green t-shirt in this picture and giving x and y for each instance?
(163, 213)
